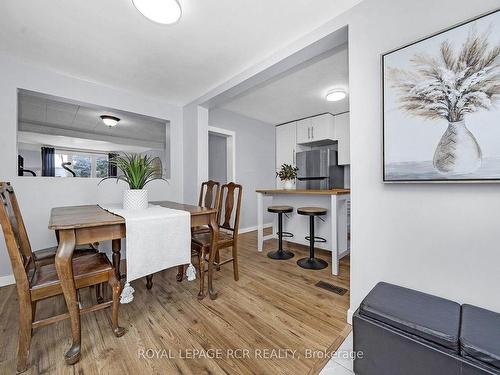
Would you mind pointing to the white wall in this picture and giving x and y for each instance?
(255, 158)
(439, 238)
(195, 132)
(38, 195)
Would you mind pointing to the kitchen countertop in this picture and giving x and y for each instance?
(303, 191)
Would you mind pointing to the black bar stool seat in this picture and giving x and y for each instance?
(281, 254)
(312, 263)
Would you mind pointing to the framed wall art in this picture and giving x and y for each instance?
(441, 106)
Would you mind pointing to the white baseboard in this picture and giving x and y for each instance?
(7, 280)
(350, 313)
(251, 229)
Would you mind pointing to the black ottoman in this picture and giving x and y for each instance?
(402, 331)
(480, 336)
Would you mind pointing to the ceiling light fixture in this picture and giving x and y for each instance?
(110, 121)
(159, 11)
(336, 95)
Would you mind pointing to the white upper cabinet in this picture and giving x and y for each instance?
(285, 144)
(342, 130)
(318, 130)
(323, 128)
(304, 131)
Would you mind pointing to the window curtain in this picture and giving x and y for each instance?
(112, 170)
(48, 162)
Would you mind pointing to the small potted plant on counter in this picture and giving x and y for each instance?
(288, 174)
(137, 171)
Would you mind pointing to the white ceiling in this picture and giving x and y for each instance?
(298, 93)
(40, 113)
(110, 42)
(32, 141)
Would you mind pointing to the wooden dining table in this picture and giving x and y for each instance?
(81, 225)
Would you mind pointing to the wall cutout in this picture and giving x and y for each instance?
(57, 137)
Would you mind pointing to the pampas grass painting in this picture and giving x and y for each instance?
(444, 81)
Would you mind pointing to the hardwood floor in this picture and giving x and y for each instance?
(273, 306)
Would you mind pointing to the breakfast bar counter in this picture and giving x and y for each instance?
(333, 228)
(304, 192)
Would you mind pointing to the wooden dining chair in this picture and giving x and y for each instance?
(229, 205)
(36, 281)
(47, 256)
(209, 194)
(208, 198)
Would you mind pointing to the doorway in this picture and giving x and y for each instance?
(221, 155)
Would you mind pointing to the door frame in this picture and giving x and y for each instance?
(230, 150)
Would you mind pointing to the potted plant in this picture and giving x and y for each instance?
(137, 171)
(288, 174)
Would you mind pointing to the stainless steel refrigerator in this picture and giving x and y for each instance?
(318, 169)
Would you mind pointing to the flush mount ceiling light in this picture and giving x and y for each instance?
(160, 11)
(110, 120)
(336, 95)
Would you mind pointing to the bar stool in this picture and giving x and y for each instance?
(280, 253)
(311, 262)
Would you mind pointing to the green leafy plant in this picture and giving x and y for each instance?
(287, 172)
(138, 170)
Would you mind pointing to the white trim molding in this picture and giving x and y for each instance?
(350, 313)
(251, 229)
(7, 280)
(231, 150)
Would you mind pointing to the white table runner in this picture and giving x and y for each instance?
(157, 238)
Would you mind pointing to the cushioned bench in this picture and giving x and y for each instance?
(480, 335)
(403, 331)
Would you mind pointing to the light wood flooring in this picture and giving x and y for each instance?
(273, 306)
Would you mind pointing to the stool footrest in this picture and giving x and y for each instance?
(285, 234)
(316, 239)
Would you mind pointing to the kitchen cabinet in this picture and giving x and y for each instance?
(342, 131)
(285, 144)
(304, 131)
(322, 130)
(317, 130)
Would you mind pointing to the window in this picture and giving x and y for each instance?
(101, 166)
(80, 164)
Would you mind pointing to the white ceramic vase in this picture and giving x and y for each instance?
(135, 199)
(458, 151)
(289, 185)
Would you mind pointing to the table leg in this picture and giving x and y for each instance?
(334, 230)
(116, 246)
(260, 221)
(342, 224)
(64, 267)
(211, 257)
(149, 282)
(180, 273)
